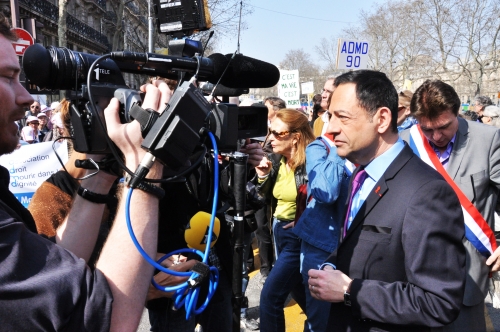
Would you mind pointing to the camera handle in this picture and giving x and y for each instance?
(239, 177)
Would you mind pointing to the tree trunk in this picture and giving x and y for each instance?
(118, 36)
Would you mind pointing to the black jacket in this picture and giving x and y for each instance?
(265, 188)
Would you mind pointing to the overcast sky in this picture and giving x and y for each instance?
(277, 26)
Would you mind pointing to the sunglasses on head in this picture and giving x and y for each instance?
(280, 134)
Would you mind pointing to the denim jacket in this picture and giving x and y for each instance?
(320, 223)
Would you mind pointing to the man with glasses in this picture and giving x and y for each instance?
(30, 133)
(480, 102)
(34, 109)
(321, 123)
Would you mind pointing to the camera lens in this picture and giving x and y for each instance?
(61, 68)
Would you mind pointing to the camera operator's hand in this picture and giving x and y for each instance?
(254, 151)
(165, 279)
(128, 136)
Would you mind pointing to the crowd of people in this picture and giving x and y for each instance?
(376, 213)
(42, 123)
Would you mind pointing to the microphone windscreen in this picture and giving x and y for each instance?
(196, 232)
(220, 62)
(245, 72)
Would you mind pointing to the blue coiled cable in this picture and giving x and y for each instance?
(185, 295)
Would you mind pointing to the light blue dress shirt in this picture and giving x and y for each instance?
(375, 169)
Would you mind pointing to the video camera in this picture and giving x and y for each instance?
(171, 136)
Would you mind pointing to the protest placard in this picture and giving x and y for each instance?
(30, 165)
(288, 88)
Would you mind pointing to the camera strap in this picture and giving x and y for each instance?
(146, 117)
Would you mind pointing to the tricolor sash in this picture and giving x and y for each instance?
(477, 230)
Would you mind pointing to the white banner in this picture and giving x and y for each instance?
(288, 88)
(30, 165)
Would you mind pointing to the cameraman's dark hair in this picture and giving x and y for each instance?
(373, 90)
(433, 98)
(5, 28)
(276, 102)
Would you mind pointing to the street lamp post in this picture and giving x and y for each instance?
(150, 28)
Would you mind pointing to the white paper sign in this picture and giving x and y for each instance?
(30, 165)
(352, 54)
(307, 87)
(289, 88)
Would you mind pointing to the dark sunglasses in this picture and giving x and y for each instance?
(281, 134)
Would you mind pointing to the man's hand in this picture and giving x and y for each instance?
(254, 151)
(128, 136)
(328, 284)
(494, 261)
(165, 279)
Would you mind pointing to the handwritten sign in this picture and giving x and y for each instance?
(289, 88)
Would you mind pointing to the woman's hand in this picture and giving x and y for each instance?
(264, 168)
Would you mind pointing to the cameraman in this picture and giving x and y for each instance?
(46, 286)
(182, 200)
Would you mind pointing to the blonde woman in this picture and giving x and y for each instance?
(280, 176)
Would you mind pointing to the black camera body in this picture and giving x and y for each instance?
(176, 132)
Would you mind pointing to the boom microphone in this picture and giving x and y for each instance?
(243, 72)
(196, 233)
(246, 72)
(210, 69)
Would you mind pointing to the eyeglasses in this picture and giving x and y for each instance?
(282, 134)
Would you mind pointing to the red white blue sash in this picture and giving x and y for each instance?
(477, 230)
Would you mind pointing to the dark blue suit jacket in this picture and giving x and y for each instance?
(404, 253)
